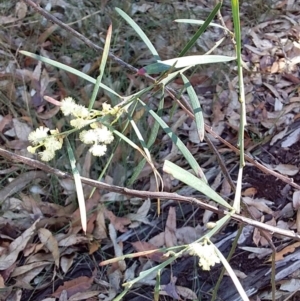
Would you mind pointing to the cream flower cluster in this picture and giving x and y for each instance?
(43, 137)
(206, 253)
(81, 113)
(99, 135)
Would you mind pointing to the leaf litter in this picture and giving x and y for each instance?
(39, 237)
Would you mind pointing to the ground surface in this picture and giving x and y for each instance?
(43, 251)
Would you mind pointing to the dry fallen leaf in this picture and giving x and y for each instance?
(289, 249)
(7, 20)
(174, 291)
(63, 296)
(118, 222)
(287, 169)
(187, 235)
(260, 203)
(18, 245)
(142, 246)
(21, 10)
(94, 246)
(130, 272)
(208, 213)
(20, 130)
(68, 185)
(84, 296)
(30, 275)
(2, 285)
(291, 138)
(50, 242)
(74, 286)
(238, 273)
(186, 293)
(170, 290)
(251, 191)
(66, 262)
(118, 247)
(296, 200)
(291, 285)
(115, 279)
(4, 121)
(170, 230)
(256, 236)
(72, 239)
(49, 113)
(158, 240)
(141, 214)
(25, 268)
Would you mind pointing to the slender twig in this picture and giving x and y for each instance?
(146, 194)
(221, 162)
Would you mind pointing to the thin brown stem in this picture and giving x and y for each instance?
(146, 194)
(221, 162)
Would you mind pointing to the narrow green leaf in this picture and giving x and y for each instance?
(243, 120)
(101, 67)
(105, 50)
(157, 286)
(199, 119)
(127, 140)
(145, 155)
(140, 137)
(193, 60)
(78, 185)
(68, 69)
(121, 295)
(155, 68)
(219, 225)
(192, 181)
(166, 79)
(232, 275)
(139, 31)
(152, 138)
(135, 146)
(185, 61)
(200, 22)
(175, 139)
(199, 32)
(154, 269)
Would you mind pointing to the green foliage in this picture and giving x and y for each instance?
(167, 70)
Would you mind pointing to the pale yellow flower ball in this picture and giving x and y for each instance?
(98, 150)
